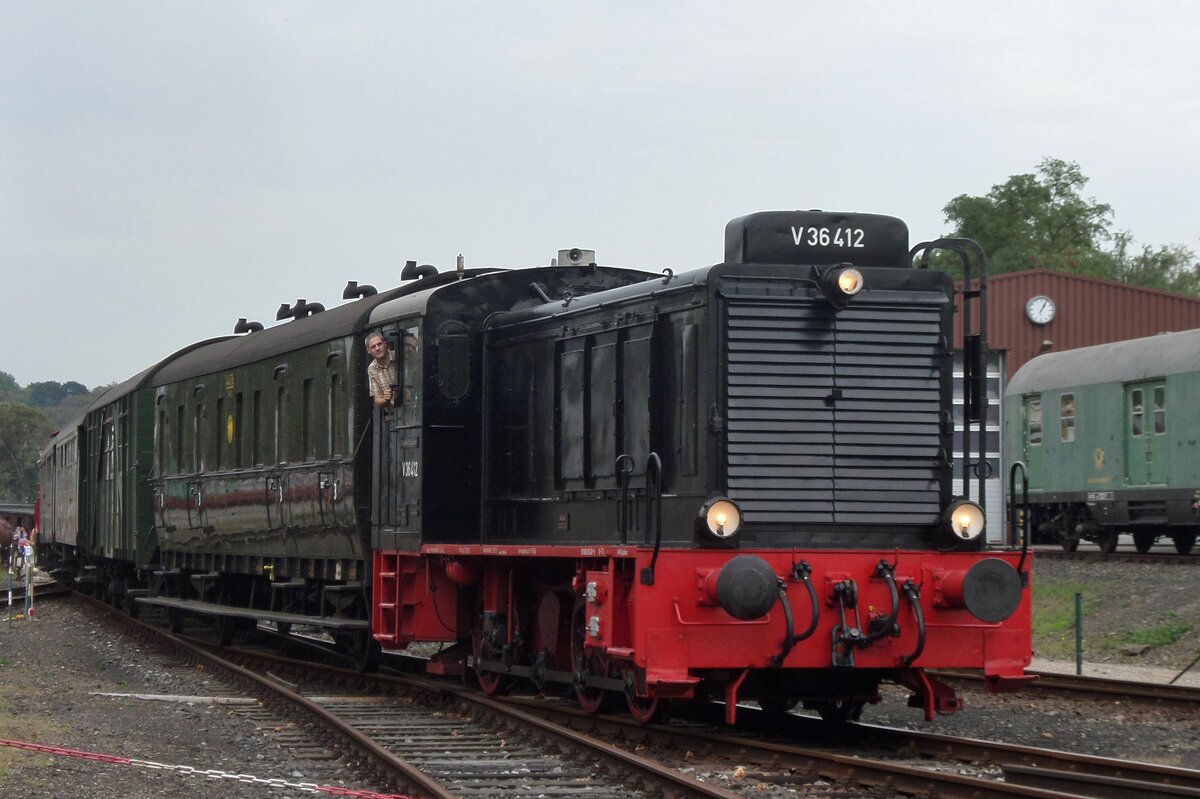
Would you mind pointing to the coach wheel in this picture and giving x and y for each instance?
(1184, 542)
(227, 628)
(175, 620)
(839, 711)
(586, 664)
(1107, 541)
(1142, 542)
(362, 648)
(283, 627)
(777, 705)
(1070, 544)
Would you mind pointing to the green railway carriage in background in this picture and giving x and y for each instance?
(1110, 435)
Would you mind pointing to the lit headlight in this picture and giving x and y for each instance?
(850, 281)
(840, 283)
(965, 520)
(721, 517)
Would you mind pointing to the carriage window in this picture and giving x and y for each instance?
(1066, 414)
(239, 452)
(1034, 421)
(179, 416)
(306, 419)
(107, 447)
(1136, 413)
(1160, 410)
(256, 428)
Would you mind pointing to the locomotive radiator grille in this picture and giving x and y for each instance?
(834, 418)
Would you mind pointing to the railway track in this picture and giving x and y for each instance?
(438, 743)
(1070, 685)
(1161, 558)
(921, 764)
(438, 739)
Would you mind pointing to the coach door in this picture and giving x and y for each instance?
(1031, 413)
(1146, 433)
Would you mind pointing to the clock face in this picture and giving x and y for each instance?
(1040, 309)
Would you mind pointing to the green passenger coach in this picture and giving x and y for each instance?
(1110, 436)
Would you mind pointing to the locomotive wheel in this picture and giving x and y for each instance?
(490, 682)
(777, 705)
(591, 700)
(1107, 541)
(838, 711)
(647, 710)
(1142, 542)
(1184, 542)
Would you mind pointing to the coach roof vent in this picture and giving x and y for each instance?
(576, 257)
(353, 291)
(411, 271)
(301, 309)
(243, 326)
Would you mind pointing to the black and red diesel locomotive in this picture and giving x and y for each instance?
(731, 483)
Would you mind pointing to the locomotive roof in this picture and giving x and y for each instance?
(1132, 359)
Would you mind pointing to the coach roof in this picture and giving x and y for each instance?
(1132, 359)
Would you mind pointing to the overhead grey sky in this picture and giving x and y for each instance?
(166, 167)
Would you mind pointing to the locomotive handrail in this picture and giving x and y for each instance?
(974, 339)
(653, 501)
(624, 467)
(1012, 512)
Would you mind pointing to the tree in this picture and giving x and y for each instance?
(1037, 221)
(23, 430)
(1170, 268)
(45, 394)
(9, 389)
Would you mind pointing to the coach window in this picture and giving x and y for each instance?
(198, 430)
(334, 407)
(162, 437)
(180, 413)
(1066, 415)
(256, 427)
(1160, 410)
(1137, 413)
(1034, 421)
(306, 419)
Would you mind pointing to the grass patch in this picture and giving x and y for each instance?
(1162, 635)
(1054, 607)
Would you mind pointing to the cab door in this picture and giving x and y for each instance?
(399, 443)
(1146, 433)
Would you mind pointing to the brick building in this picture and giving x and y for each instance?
(1041, 311)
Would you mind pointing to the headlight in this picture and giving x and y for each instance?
(850, 281)
(721, 517)
(840, 283)
(965, 520)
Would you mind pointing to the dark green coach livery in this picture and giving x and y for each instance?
(1110, 435)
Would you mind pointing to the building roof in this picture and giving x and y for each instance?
(1089, 311)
